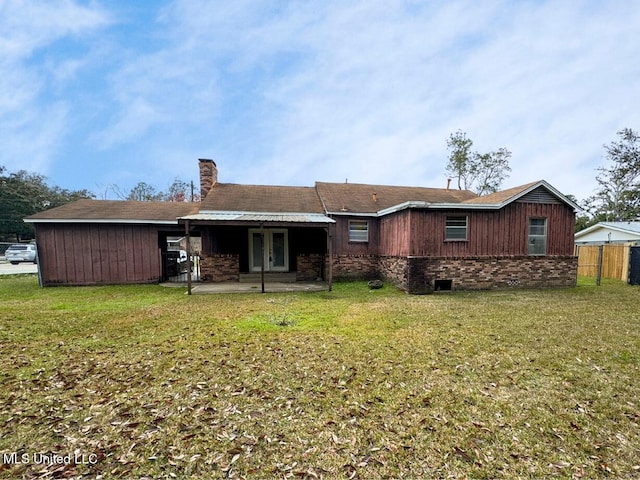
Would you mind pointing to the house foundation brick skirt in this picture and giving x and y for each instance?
(424, 275)
(395, 270)
(355, 266)
(309, 267)
(220, 268)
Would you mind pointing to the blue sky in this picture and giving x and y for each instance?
(101, 93)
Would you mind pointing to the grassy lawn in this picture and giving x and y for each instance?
(146, 382)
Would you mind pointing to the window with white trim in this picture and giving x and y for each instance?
(455, 228)
(537, 242)
(358, 231)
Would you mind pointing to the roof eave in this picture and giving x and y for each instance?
(247, 212)
(228, 217)
(439, 206)
(101, 220)
(353, 214)
(603, 225)
(402, 206)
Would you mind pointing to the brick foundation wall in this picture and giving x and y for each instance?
(355, 266)
(220, 268)
(417, 275)
(491, 272)
(394, 270)
(309, 267)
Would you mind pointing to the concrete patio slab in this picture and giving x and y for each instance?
(236, 287)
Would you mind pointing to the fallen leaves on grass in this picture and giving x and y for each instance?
(361, 387)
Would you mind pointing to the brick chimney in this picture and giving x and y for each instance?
(208, 176)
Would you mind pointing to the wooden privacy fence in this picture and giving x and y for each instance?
(611, 260)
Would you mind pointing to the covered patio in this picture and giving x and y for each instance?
(286, 251)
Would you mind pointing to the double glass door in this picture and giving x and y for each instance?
(274, 255)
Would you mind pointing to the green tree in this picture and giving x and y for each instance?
(618, 195)
(143, 192)
(481, 173)
(490, 170)
(23, 194)
(583, 219)
(460, 158)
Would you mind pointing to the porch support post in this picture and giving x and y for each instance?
(330, 266)
(188, 232)
(262, 255)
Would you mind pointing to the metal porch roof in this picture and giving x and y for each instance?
(257, 217)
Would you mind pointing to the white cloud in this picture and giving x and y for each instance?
(32, 123)
(380, 91)
(292, 92)
(27, 26)
(28, 140)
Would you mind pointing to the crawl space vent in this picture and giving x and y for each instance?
(443, 285)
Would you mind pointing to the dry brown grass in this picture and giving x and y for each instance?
(150, 383)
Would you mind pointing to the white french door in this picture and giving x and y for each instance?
(275, 255)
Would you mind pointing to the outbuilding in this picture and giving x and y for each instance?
(609, 233)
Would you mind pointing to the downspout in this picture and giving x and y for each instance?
(329, 241)
(330, 266)
(188, 232)
(262, 255)
(40, 281)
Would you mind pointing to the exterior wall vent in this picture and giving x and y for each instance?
(443, 285)
(539, 195)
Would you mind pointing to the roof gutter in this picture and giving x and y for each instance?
(422, 205)
(439, 206)
(101, 220)
(226, 216)
(353, 214)
(603, 225)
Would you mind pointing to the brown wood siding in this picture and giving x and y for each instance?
(341, 243)
(395, 234)
(76, 254)
(502, 232)
(94, 245)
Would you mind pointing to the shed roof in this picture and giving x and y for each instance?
(115, 211)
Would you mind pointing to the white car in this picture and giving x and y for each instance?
(23, 252)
